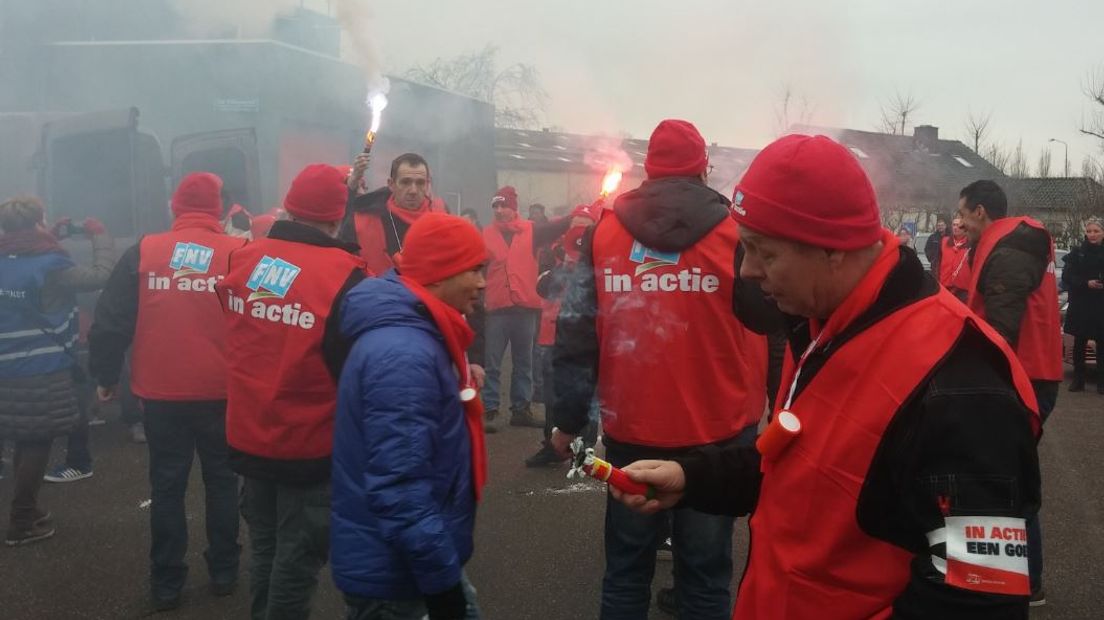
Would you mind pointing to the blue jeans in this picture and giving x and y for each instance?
(702, 546)
(518, 329)
(357, 608)
(1046, 393)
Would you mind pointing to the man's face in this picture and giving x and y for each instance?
(502, 213)
(536, 213)
(957, 229)
(410, 185)
(461, 291)
(973, 220)
(795, 275)
(941, 227)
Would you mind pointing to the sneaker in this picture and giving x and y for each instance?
(489, 421)
(166, 604)
(666, 601)
(96, 420)
(44, 519)
(544, 457)
(664, 551)
(224, 589)
(525, 417)
(1038, 598)
(61, 473)
(28, 536)
(138, 432)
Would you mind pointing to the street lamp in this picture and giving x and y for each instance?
(1067, 153)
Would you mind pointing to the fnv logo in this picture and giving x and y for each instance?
(649, 259)
(272, 277)
(190, 258)
(738, 203)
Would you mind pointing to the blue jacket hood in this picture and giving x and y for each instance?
(382, 302)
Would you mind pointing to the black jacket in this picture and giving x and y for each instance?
(1085, 315)
(375, 203)
(1014, 269)
(933, 250)
(963, 434)
(668, 215)
(335, 348)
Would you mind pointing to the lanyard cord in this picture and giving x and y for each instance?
(797, 373)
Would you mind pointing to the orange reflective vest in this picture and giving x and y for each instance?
(511, 269)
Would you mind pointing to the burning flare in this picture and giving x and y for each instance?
(376, 103)
(611, 181)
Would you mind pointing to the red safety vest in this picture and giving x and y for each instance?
(809, 558)
(180, 337)
(1039, 345)
(954, 264)
(372, 238)
(277, 298)
(676, 367)
(511, 269)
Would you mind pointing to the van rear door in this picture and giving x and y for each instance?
(231, 154)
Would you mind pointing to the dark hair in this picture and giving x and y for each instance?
(537, 205)
(411, 159)
(470, 213)
(942, 218)
(986, 194)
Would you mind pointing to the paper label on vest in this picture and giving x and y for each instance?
(988, 554)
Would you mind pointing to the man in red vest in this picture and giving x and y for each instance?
(377, 221)
(1013, 287)
(160, 302)
(899, 468)
(512, 304)
(954, 263)
(647, 324)
(281, 302)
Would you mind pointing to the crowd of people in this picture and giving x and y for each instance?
(780, 355)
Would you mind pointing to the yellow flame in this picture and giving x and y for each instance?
(377, 103)
(611, 181)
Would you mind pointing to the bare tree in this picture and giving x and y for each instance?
(791, 109)
(897, 113)
(977, 128)
(1092, 169)
(1088, 202)
(1017, 163)
(1093, 87)
(1043, 169)
(998, 155)
(515, 90)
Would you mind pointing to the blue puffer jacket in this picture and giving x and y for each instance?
(403, 504)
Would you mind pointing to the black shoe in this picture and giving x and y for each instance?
(1077, 385)
(666, 601)
(489, 418)
(525, 417)
(166, 604)
(544, 457)
(224, 589)
(1038, 598)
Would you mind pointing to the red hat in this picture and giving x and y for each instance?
(809, 189)
(508, 195)
(676, 149)
(318, 194)
(439, 246)
(199, 192)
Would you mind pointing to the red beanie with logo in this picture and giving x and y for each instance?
(318, 194)
(809, 189)
(507, 196)
(199, 192)
(676, 149)
(439, 246)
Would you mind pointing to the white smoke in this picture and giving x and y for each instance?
(245, 19)
(361, 48)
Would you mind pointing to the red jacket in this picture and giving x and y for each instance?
(954, 264)
(1039, 345)
(676, 367)
(179, 338)
(277, 299)
(371, 235)
(810, 559)
(511, 269)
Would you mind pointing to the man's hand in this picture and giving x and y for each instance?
(107, 393)
(1096, 284)
(60, 229)
(666, 477)
(478, 375)
(93, 227)
(561, 443)
(360, 165)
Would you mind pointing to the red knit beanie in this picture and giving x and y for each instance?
(809, 189)
(439, 246)
(508, 196)
(199, 192)
(318, 194)
(676, 149)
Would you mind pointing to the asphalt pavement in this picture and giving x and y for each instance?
(538, 541)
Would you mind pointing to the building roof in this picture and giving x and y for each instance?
(1074, 194)
(917, 172)
(554, 151)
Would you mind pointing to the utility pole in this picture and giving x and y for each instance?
(1066, 169)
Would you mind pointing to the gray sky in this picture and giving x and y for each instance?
(618, 65)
